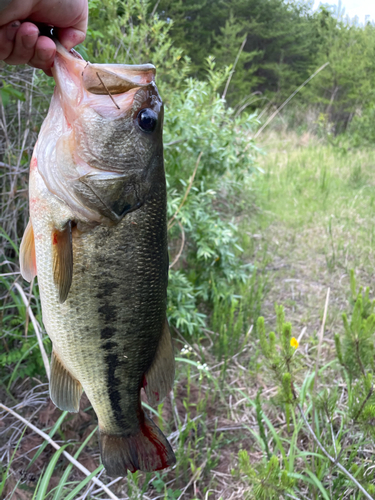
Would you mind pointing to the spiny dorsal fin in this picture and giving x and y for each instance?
(63, 260)
(65, 391)
(159, 377)
(27, 254)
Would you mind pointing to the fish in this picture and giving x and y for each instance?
(97, 242)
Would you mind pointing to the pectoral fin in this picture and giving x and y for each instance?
(65, 391)
(63, 260)
(27, 254)
(159, 377)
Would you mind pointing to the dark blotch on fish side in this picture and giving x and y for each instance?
(106, 289)
(108, 346)
(113, 383)
(108, 312)
(107, 333)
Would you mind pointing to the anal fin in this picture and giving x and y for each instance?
(158, 379)
(63, 260)
(65, 391)
(27, 254)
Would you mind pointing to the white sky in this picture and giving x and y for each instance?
(359, 8)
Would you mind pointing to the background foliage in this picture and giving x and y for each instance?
(286, 41)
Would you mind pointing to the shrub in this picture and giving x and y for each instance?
(323, 447)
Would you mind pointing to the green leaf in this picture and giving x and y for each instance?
(5, 476)
(49, 472)
(51, 434)
(73, 494)
(7, 91)
(67, 471)
(311, 480)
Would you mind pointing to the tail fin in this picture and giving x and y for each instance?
(147, 451)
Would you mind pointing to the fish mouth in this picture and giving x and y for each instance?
(116, 79)
(80, 81)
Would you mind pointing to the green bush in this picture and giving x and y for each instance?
(361, 129)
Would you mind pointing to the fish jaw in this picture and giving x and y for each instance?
(66, 71)
(80, 83)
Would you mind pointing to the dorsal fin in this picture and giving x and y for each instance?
(158, 380)
(63, 260)
(27, 254)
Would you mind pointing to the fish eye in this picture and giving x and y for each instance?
(147, 119)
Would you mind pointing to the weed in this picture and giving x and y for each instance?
(278, 473)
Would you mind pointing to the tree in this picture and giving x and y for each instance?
(347, 84)
(281, 41)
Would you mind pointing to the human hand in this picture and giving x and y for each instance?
(20, 42)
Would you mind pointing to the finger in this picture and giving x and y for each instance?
(76, 33)
(44, 54)
(70, 37)
(24, 44)
(7, 37)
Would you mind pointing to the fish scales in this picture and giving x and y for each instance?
(133, 304)
(109, 332)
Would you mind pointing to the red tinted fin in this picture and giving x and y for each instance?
(63, 260)
(27, 254)
(158, 380)
(146, 451)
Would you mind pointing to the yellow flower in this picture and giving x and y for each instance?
(294, 342)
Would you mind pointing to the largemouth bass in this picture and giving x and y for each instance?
(97, 240)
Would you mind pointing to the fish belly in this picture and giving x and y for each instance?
(107, 331)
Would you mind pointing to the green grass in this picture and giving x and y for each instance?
(316, 208)
(304, 185)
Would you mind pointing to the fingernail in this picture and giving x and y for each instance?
(12, 30)
(28, 41)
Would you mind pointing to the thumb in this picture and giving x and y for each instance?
(76, 33)
(70, 37)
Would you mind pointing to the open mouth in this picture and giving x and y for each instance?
(82, 81)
